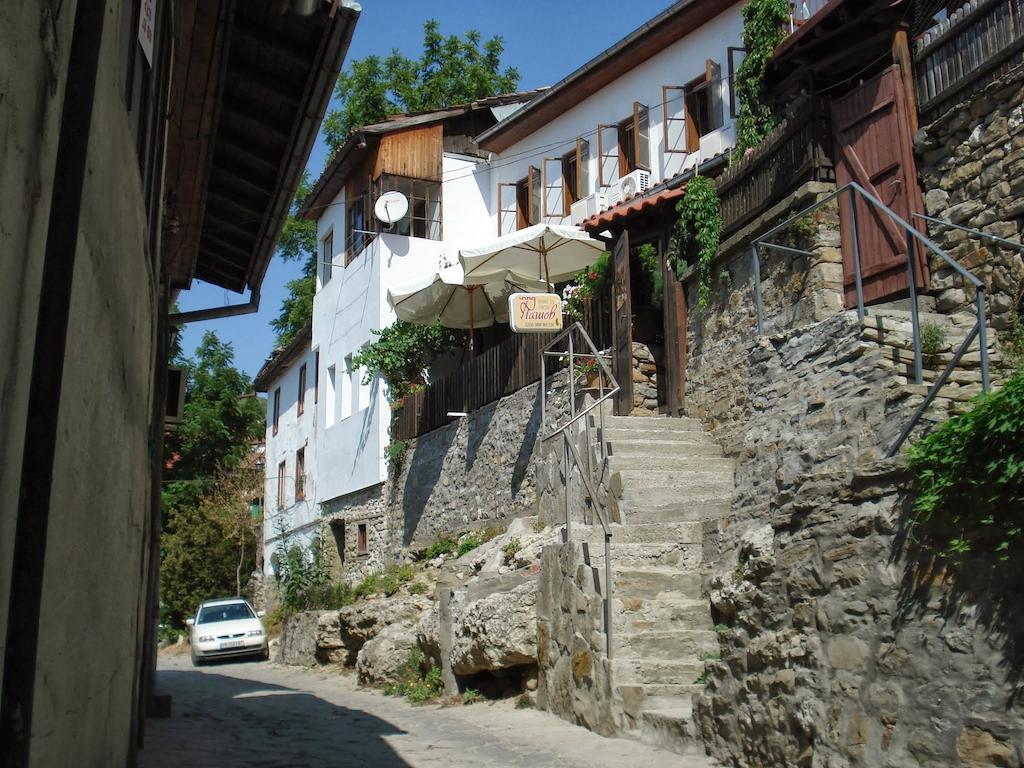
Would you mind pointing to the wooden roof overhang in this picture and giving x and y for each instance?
(668, 27)
(251, 84)
(844, 40)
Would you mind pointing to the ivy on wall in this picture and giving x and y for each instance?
(700, 222)
(402, 353)
(764, 27)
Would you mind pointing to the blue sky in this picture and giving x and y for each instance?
(545, 41)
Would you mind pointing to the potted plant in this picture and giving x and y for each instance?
(586, 371)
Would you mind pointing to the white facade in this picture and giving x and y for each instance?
(674, 67)
(295, 432)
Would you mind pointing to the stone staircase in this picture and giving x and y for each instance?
(669, 477)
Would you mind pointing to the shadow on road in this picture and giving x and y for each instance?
(221, 720)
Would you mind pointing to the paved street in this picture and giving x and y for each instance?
(258, 715)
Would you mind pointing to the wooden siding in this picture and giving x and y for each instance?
(798, 150)
(415, 153)
(976, 44)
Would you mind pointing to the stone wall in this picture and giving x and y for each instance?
(343, 518)
(971, 163)
(645, 381)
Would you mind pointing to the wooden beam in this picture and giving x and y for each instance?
(901, 56)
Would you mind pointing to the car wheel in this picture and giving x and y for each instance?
(266, 654)
(196, 661)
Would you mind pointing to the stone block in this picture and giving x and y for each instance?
(847, 652)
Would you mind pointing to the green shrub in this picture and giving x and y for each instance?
(512, 549)
(471, 696)
(933, 339)
(969, 479)
(418, 588)
(386, 582)
(1012, 341)
(444, 545)
(468, 544)
(413, 683)
(524, 701)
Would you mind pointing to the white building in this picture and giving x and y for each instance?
(290, 483)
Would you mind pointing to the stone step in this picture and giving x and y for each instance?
(653, 582)
(694, 474)
(651, 671)
(667, 644)
(673, 729)
(635, 454)
(664, 553)
(651, 533)
(652, 423)
(684, 507)
(636, 613)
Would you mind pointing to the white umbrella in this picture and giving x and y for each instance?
(547, 252)
(432, 299)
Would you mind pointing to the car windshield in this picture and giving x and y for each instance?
(210, 614)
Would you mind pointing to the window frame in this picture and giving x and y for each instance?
(733, 68)
(603, 154)
(327, 257)
(362, 539)
(503, 211)
(548, 186)
(300, 474)
(276, 424)
(300, 403)
(356, 235)
(316, 377)
(699, 85)
(281, 497)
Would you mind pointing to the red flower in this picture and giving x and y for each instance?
(592, 275)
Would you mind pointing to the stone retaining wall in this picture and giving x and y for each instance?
(971, 163)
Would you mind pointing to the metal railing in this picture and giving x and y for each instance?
(570, 453)
(853, 190)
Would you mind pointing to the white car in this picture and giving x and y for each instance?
(227, 627)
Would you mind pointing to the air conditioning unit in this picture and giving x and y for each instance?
(588, 206)
(717, 143)
(629, 186)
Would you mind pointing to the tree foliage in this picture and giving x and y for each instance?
(205, 543)
(451, 70)
(764, 27)
(297, 242)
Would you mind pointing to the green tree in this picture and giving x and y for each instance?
(200, 544)
(451, 70)
(297, 242)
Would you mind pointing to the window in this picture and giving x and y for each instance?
(346, 388)
(329, 413)
(673, 104)
(528, 199)
(703, 105)
(565, 179)
(362, 540)
(277, 409)
(424, 218)
(508, 209)
(300, 474)
(624, 146)
(316, 378)
(357, 231)
(327, 257)
(301, 401)
(736, 56)
(280, 485)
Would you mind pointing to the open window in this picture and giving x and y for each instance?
(608, 154)
(529, 196)
(736, 56)
(640, 139)
(507, 208)
(281, 469)
(277, 411)
(703, 105)
(300, 474)
(300, 403)
(424, 217)
(576, 172)
(358, 238)
(554, 187)
(326, 258)
(673, 104)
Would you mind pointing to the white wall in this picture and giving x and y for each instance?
(350, 452)
(294, 432)
(465, 203)
(674, 66)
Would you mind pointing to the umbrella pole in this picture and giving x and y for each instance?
(547, 274)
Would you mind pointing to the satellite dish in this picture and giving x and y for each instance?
(391, 207)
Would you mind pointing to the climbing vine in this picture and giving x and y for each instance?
(647, 258)
(587, 284)
(700, 222)
(764, 27)
(402, 353)
(969, 479)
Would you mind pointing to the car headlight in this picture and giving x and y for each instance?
(255, 632)
(206, 638)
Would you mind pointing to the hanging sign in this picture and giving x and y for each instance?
(535, 312)
(147, 19)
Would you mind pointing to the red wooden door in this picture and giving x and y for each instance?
(622, 326)
(871, 128)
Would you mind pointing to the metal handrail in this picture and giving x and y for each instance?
(570, 450)
(912, 234)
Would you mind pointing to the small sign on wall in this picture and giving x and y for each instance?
(147, 21)
(535, 312)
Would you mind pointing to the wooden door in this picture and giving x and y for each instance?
(871, 129)
(622, 326)
(674, 306)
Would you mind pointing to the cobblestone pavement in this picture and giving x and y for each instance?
(262, 715)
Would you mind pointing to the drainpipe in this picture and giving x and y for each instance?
(212, 313)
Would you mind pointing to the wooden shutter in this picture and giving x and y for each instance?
(607, 154)
(622, 326)
(554, 192)
(641, 136)
(534, 209)
(673, 106)
(507, 213)
(582, 168)
(713, 79)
